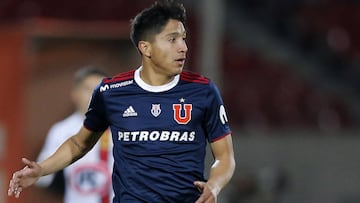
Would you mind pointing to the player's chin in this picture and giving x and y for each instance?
(178, 70)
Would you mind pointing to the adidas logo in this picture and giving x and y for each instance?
(129, 112)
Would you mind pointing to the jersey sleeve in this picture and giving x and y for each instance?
(95, 117)
(216, 120)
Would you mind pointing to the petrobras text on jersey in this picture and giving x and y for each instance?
(172, 136)
(116, 85)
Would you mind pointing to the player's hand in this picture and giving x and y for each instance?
(208, 193)
(24, 178)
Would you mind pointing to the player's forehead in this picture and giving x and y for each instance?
(173, 27)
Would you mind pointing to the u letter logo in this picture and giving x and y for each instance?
(178, 113)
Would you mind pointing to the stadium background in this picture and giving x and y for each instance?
(288, 72)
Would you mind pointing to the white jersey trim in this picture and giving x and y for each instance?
(152, 88)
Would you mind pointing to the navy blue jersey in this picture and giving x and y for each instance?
(159, 134)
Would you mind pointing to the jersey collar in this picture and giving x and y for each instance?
(152, 88)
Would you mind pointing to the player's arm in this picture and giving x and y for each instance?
(221, 171)
(71, 150)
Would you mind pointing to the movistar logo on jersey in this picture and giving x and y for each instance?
(144, 136)
(104, 88)
(116, 85)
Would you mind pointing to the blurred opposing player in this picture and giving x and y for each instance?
(87, 180)
(161, 119)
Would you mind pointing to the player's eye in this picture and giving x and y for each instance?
(172, 39)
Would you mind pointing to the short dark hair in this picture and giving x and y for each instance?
(152, 20)
(84, 72)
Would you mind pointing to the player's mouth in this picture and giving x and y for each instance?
(180, 61)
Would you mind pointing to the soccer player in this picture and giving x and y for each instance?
(89, 179)
(161, 119)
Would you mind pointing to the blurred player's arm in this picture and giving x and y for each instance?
(221, 171)
(71, 150)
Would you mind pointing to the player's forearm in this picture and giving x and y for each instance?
(220, 174)
(66, 154)
(71, 150)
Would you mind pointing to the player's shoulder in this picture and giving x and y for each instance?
(74, 118)
(68, 125)
(124, 76)
(118, 81)
(192, 77)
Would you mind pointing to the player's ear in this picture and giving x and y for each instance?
(145, 48)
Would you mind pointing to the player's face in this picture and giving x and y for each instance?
(83, 91)
(168, 49)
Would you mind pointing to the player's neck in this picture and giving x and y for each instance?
(151, 77)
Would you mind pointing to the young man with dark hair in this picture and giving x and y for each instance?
(161, 119)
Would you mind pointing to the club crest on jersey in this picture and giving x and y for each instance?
(182, 116)
(155, 110)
